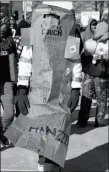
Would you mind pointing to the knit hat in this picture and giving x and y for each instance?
(3, 19)
(101, 29)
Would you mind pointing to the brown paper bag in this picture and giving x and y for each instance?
(50, 29)
(49, 135)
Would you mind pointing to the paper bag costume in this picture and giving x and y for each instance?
(46, 128)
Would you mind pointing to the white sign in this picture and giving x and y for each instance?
(85, 16)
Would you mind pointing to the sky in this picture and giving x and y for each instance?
(63, 4)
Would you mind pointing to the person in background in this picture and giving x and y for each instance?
(94, 83)
(102, 31)
(19, 49)
(90, 30)
(17, 38)
(77, 69)
(88, 86)
(8, 74)
(13, 24)
(24, 22)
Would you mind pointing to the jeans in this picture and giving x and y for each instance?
(93, 87)
(6, 101)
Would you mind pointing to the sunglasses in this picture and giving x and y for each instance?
(93, 24)
(12, 19)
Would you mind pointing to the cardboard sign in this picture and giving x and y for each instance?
(26, 36)
(72, 48)
(86, 15)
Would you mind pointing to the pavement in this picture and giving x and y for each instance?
(87, 151)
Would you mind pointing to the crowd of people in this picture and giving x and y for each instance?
(10, 51)
(14, 87)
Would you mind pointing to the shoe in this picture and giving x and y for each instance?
(40, 168)
(97, 124)
(4, 141)
(52, 167)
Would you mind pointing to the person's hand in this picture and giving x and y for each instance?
(95, 58)
(74, 99)
(21, 100)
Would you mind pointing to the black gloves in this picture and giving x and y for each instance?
(74, 99)
(21, 100)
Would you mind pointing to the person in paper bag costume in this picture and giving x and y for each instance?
(8, 65)
(54, 87)
(95, 61)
